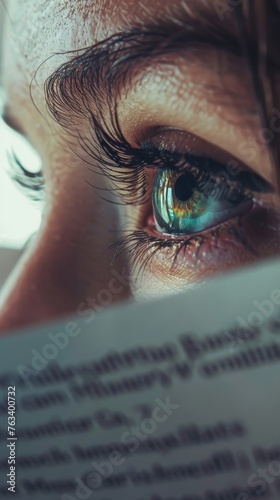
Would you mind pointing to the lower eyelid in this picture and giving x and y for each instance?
(235, 242)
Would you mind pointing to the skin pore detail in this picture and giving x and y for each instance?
(151, 96)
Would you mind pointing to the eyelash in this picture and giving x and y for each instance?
(123, 163)
(30, 183)
(139, 247)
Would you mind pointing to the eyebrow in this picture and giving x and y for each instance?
(100, 71)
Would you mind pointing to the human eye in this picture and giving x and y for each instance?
(188, 197)
(24, 163)
(197, 210)
(181, 204)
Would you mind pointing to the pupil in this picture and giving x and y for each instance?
(184, 187)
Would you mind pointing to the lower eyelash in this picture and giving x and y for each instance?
(139, 247)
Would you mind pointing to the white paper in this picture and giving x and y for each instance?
(175, 399)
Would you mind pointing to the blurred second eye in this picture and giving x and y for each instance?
(25, 164)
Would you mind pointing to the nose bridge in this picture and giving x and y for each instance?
(61, 273)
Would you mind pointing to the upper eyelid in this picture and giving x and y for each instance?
(214, 168)
(242, 175)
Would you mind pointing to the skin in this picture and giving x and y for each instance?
(69, 260)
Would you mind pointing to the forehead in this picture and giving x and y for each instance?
(35, 31)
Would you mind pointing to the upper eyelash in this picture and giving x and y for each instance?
(124, 164)
(117, 159)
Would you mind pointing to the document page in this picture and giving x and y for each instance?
(176, 399)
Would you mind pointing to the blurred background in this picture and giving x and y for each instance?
(19, 218)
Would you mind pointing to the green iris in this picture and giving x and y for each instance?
(182, 206)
